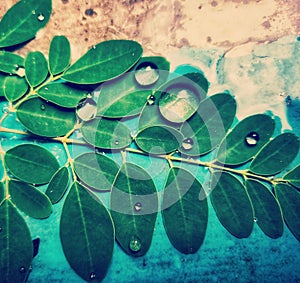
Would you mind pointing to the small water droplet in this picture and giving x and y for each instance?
(252, 139)
(255, 219)
(33, 12)
(135, 244)
(94, 47)
(41, 17)
(5, 109)
(92, 276)
(117, 142)
(46, 88)
(87, 109)
(146, 74)
(22, 269)
(43, 107)
(187, 144)
(137, 206)
(151, 99)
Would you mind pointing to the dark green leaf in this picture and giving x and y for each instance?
(185, 211)
(59, 54)
(87, 234)
(208, 126)
(62, 94)
(10, 62)
(159, 139)
(134, 206)
(275, 155)
(45, 119)
(16, 250)
(22, 21)
(293, 176)
(29, 199)
(232, 204)
(96, 170)
(31, 163)
(267, 212)
(246, 139)
(106, 134)
(104, 61)
(289, 200)
(14, 87)
(36, 68)
(58, 185)
(2, 192)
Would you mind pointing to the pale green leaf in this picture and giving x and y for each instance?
(36, 68)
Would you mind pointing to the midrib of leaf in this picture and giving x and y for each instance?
(92, 169)
(37, 115)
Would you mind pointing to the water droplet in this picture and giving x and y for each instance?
(33, 12)
(135, 244)
(288, 101)
(22, 269)
(187, 144)
(252, 139)
(92, 276)
(43, 107)
(41, 17)
(151, 99)
(94, 47)
(137, 206)
(255, 219)
(5, 109)
(46, 88)
(87, 109)
(117, 142)
(146, 74)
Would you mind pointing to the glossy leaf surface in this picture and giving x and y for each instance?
(14, 87)
(36, 68)
(10, 62)
(293, 176)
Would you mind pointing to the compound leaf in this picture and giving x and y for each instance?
(293, 176)
(10, 62)
(36, 68)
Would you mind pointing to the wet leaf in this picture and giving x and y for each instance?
(87, 234)
(246, 139)
(36, 68)
(185, 213)
(29, 199)
(293, 176)
(134, 206)
(59, 54)
(289, 200)
(58, 185)
(104, 61)
(13, 228)
(22, 21)
(14, 87)
(267, 212)
(232, 204)
(62, 94)
(208, 126)
(10, 62)
(159, 139)
(275, 155)
(96, 170)
(106, 134)
(45, 119)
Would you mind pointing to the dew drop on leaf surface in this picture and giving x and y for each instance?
(92, 276)
(255, 219)
(22, 269)
(150, 99)
(252, 139)
(137, 206)
(135, 244)
(41, 17)
(187, 144)
(146, 74)
(87, 109)
(43, 107)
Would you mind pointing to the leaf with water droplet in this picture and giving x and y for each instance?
(10, 62)
(96, 170)
(30, 200)
(36, 68)
(184, 214)
(87, 247)
(107, 60)
(234, 148)
(289, 200)
(208, 126)
(134, 229)
(16, 247)
(45, 119)
(62, 94)
(276, 155)
(266, 208)
(14, 87)
(293, 176)
(159, 139)
(31, 163)
(106, 134)
(232, 204)
(59, 54)
(87, 109)
(58, 185)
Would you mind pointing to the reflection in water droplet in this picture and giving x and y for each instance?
(43, 107)
(252, 139)
(92, 276)
(146, 74)
(187, 144)
(255, 219)
(87, 109)
(41, 17)
(22, 269)
(138, 207)
(151, 99)
(135, 244)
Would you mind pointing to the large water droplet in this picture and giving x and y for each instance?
(87, 109)
(151, 99)
(43, 107)
(187, 144)
(252, 139)
(92, 276)
(41, 17)
(137, 206)
(135, 244)
(146, 74)
(22, 269)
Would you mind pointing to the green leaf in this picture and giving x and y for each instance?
(185, 212)
(45, 119)
(96, 170)
(14, 87)
(267, 212)
(31, 163)
(59, 54)
(106, 134)
(289, 200)
(36, 68)
(275, 155)
(87, 234)
(29, 199)
(159, 139)
(16, 249)
(246, 139)
(2, 192)
(58, 185)
(104, 61)
(208, 126)
(62, 94)
(232, 204)
(22, 21)
(10, 62)
(293, 176)
(134, 206)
